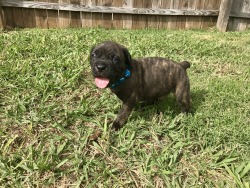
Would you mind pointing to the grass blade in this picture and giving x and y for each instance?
(234, 176)
(246, 170)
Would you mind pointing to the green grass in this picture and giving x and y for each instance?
(49, 108)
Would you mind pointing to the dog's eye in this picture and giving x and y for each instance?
(115, 59)
(93, 55)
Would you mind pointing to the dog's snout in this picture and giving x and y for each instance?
(101, 67)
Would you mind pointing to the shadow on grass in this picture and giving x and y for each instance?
(197, 97)
(168, 105)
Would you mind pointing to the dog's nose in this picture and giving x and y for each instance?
(101, 67)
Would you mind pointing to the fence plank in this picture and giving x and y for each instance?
(1, 19)
(18, 17)
(159, 21)
(240, 14)
(136, 23)
(207, 22)
(240, 11)
(117, 18)
(163, 21)
(41, 17)
(233, 22)
(172, 20)
(181, 20)
(64, 16)
(86, 16)
(192, 21)
(63, 19)
(75, 20)
(53, 16)
(155, 19)
(127, 19)
(107, 20)
(8, 14)
(223, 17)
(150, 19)
(200, 5)
(96, 18)
(29, 17)
(107, 17)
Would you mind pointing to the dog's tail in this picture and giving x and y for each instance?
(185, 64)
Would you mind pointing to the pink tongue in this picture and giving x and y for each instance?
(101, 82)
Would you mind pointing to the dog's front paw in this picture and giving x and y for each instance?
(116, 125)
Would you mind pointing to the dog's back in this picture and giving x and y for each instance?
(159, 76)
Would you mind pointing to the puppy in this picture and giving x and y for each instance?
(134, 80)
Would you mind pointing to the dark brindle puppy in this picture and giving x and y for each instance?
(134, 80)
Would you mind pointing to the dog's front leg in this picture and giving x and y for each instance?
(123, 115)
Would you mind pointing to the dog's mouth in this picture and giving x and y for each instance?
(101, 82)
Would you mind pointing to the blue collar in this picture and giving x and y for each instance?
(122, 79)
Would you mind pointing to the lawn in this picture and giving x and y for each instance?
(50, 109)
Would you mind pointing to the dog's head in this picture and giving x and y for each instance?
(109, 61)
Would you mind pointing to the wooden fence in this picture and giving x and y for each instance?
(130, 14)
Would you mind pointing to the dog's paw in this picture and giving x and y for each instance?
(116, 125)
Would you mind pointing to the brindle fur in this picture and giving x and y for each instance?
(151, 78)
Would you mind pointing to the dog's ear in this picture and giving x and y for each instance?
(128, 57)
